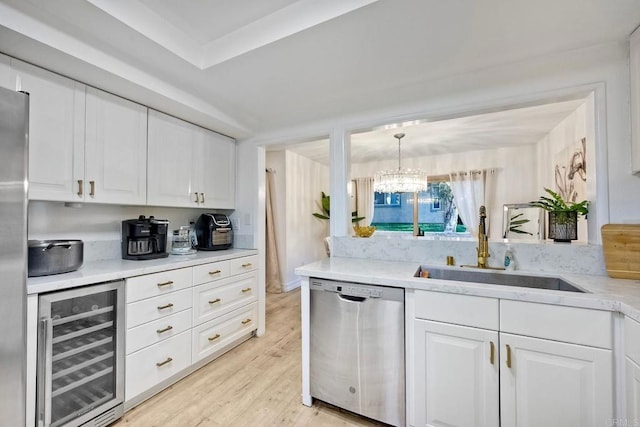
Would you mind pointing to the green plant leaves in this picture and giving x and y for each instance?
(555, 203)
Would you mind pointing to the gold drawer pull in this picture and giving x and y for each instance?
(92, 192)
(492, 352)
(246, 290)
(167, 283)
(197, 200)
(162, 307)
(246, 265)
(215, 337)
(80, 184)
(213, 301)
(164, 362)
(508, 356)
(168, 328)
(245, 321)
(215, 272)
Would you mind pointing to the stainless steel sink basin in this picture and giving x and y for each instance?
(499, 278)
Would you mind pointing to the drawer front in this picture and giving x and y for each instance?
(217, 298)
(151, 285)
(153, 332)
(214, 335)
(212, 271)
(555, 322)
(467, 310)
(244, 264)
(158, 307)
(152, 365)
(632, 339)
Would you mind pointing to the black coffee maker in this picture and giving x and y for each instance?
(144, 238)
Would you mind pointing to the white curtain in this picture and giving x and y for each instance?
(365, 199)
(272, 273)
(472, 189)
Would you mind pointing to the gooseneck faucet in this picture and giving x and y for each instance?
(483, 240)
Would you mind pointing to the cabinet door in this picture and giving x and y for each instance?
(56, 133)
(633, 392)
(116, 150)
(456, 375)
(7, 76)
(172, 157)
(217, 165)
(554, 383)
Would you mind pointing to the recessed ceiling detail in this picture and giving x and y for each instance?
(203, 36)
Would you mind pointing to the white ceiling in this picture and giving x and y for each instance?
(520, 126)
(249, 67)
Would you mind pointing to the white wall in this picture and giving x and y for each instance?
(516, 176)
(604, 67)
(299, 237)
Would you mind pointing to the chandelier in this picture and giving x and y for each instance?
(400, 180)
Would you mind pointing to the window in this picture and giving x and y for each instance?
(437, 212)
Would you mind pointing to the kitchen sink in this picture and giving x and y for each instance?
(498, 278)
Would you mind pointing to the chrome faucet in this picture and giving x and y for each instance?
(483, 244)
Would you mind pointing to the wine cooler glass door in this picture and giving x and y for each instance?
(80, 356)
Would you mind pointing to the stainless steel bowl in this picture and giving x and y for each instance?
(54, 256)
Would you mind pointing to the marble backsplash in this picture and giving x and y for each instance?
(548, 257)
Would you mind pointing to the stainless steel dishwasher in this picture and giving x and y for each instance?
(357, 348)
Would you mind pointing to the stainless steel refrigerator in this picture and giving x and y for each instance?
(14, 128)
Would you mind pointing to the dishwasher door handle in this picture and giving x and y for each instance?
(351, 298)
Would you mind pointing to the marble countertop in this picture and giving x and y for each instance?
(106, 270)
(602, 292)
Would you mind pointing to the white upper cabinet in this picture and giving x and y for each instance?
(115, 150)
(172, 153)
(635, 99)
(189, 166)
(56, 133)
(217, 166)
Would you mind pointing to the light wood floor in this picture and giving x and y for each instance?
(255, 384)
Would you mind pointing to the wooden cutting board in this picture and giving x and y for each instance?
(621, 247)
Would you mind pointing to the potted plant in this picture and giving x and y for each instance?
(563, 215)
(325, 205)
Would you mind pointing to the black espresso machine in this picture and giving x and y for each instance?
(144, 238)
(214, 232)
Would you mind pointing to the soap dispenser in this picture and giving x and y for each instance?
(509, 261)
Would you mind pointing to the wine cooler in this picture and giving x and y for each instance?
(80, 377)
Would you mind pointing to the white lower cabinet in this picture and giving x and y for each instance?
(152, 365)
(456, 375)
(178, 320)
(632, 370)
(550, 383)
(471, 376)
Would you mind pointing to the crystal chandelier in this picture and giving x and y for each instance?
(400, 180)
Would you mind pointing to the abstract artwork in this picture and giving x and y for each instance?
(571, 172)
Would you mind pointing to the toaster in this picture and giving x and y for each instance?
(214, 232)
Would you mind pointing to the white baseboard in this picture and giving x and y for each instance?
(294, 284)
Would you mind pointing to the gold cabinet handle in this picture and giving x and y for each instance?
(202, 198)
(213, 338)
(167, 283)
(215, 272)
(246, 290)
(168, 360)
(213, 301)
(197, 198)
(168, 328)
(245, 321)
(246, 265)
(80, 185)
(508, 356)
(492, 352)
(92, 191)
(162, 307)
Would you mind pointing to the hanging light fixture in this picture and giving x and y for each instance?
(400, 180)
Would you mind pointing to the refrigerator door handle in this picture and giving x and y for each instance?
(43, 374)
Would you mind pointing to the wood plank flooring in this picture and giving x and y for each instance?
(256, 384)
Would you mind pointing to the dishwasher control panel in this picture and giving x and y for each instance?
(358, 291)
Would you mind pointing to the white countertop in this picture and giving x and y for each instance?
(106, 270)
(602, 292)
